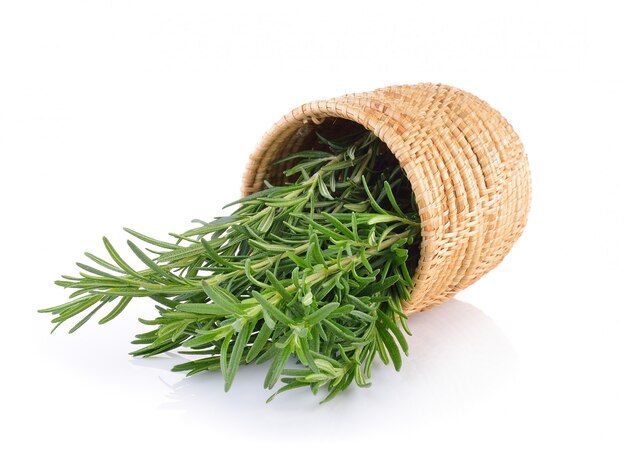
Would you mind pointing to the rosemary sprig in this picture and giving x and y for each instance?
(315, 269)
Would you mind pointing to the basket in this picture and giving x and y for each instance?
(465, 163)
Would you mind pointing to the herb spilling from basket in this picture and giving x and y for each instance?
(315, 269)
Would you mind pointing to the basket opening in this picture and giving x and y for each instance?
(305, 137)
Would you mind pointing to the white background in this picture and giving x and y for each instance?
(143, 113)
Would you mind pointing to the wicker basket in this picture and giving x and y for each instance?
(465, 163)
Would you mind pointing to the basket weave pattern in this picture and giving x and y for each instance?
(465, 163)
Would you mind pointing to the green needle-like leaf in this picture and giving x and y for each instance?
(395, 330)
(121, 305)
(260, 342)
(235, 358)
(271, 309)
(222, 298)
(278, 364)
(391, 346)
(318, 315)
(204, 309)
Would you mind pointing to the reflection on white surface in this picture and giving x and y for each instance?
(458, 357)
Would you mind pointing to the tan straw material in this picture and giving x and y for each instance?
(465, 163)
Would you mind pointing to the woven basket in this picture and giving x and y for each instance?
(465, 163)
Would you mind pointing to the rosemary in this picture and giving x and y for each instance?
(316, 268)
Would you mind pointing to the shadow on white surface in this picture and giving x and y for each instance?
(458, 358)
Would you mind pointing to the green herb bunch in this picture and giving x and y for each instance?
(316, 268)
